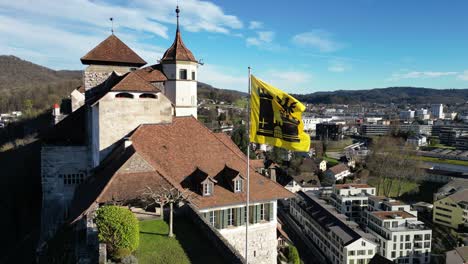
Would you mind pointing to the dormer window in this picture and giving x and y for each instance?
(207, 188)
(238, 185)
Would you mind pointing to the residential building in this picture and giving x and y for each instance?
(305, 181)
(452, 210)
(338, 172)
(417, 141)
(351, 199)
(375, 130)
(407, 114)
(329, 131)
(382, 203)
(401, 237)
(437, 111)
(340, 240)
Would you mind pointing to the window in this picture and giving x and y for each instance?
(262, 211)
(238, 186)
(407, 237)
(146, 95)
(193, 75)
(394, 225)
(370, 252)
(207, 189)
(361, 252)
(72, 179)
(393, 254)
(427, 237)
(212, 218)
(408, 246)
(124, 95)
(230, 217)
(183, 74)
(351, 253)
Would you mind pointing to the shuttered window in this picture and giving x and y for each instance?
(270, 211)
(230, 217)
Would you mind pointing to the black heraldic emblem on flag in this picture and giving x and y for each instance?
(283, 126)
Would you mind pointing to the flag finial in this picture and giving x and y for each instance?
(177, 12)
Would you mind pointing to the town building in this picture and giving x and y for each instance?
(351, 199)
(340, 240)
(407, 114)
(329, 131)
(458, 255)
(137, 129)
(417, 141)
(375, 130)
(338, 172)
(437, 111)
(451, 210)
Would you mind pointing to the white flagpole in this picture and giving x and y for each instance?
(248, 175)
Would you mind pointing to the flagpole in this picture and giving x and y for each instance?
(248, 174)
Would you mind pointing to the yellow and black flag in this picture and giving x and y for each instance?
(276, 118)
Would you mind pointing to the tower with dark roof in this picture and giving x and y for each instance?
(180, 67)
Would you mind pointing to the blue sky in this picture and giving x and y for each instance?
(298, 46)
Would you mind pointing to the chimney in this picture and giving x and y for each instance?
(56, 110)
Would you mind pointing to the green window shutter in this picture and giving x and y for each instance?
(270, 211)
(252, 214)
(205, 215)
(242, 215)
(237, 216)
(225, 219)
(219, 219)
(258, 213)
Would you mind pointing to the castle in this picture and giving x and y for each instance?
(133, 127)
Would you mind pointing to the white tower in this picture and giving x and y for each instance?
(180, 68)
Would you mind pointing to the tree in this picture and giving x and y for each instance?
(119, 229)
(162, 196)
(241, 139)
(293, 255)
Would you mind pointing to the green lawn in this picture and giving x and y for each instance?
(330, 161)
(437, 160)
(188, 246)
(337, 146)
(406, 187)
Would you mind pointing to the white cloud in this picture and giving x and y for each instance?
(264, 40)
(463, 76)
(288, 80)
(338, 66)
(57, 34)
(419, 75)
(223, 77)
(255, 25)
(317, 39)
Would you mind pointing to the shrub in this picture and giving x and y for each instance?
(293, 255)
(119, 229)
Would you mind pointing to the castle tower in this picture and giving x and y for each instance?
(180, 67)
(108, 56)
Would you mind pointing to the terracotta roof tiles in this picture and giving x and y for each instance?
(178, 51)
(113, 50)
(132, 82)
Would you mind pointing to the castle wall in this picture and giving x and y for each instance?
(94, 75)
(62, 169)
(119, 116)
(262, 241)
(77, 100)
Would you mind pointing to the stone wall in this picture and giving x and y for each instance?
(262, 241)
(230, 254)
(57, 161)
(94, 75)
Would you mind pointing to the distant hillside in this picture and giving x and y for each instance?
(397, 95)
(206, 91)
(30, 87)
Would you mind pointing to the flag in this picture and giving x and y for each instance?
(276, 118)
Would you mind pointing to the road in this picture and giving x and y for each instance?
(307, 251)
(449, 167)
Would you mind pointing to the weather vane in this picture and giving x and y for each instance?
(112, 28)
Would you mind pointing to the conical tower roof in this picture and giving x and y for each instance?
(178, 51)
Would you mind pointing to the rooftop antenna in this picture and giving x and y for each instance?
(112, 28)
(177, 12)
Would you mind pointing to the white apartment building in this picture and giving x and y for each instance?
(407, 114)
(401, 237)
(351, 199)
(437, 111)
(382, 203)
(339, 239)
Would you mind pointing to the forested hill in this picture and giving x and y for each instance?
(27, 86)
(398, 95)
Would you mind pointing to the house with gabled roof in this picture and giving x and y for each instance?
(135, 128)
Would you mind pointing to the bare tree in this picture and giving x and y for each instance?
(162, 196)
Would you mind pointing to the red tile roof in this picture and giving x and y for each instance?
(113, 50)
(134, 83)
(152, 73)
(339, 168)
(178, 51)
(185, 145)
